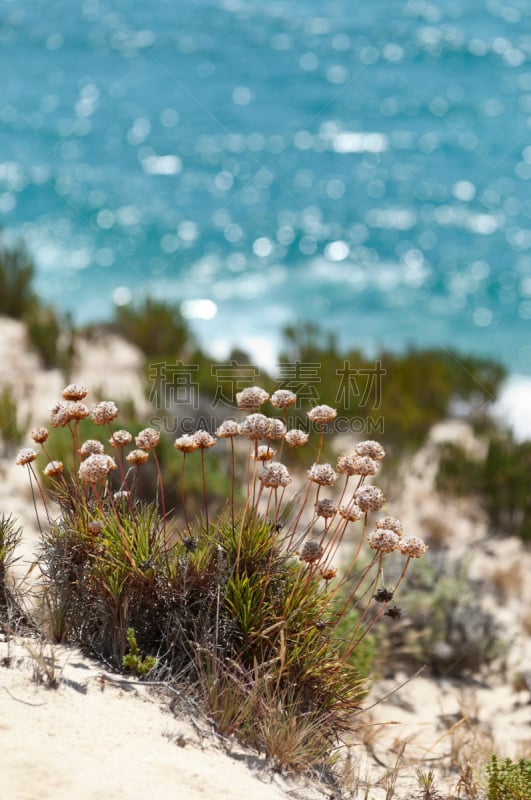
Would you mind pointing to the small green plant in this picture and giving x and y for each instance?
(508, 780)
(426, 781)
(133, 660)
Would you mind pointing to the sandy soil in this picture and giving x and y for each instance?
(95, 738)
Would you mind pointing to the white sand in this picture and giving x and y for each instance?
(93, 739)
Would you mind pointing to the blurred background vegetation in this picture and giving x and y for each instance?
(410, 392)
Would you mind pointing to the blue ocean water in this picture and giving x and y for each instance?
(365, 166)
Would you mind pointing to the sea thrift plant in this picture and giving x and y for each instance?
(247, 605)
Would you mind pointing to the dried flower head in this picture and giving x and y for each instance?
(74, 391)
(228, 429)
(320, 415)
(371, 449)
(311, 552)
(391, 523)
(325, 508)
(251, 398)
(327, 573)
(190, 543)
(296, 438)
(186, 443)
(53, 469)
(275, 475)
(263, 453)
(59, 416)
(277, 429)
(137, 457)
(412, 546)
(369, 498)
(353, 464)
(394, 612)
(383, 595)
(95, 526)
(283, 398)
(255, 426)
(77, 410)
(323, 474)
(39, 435)
(120, 438)
(90, 448)
(350, 512)
(26, 456)
(104, 412)
(95, 468)
(344, 464)
(147, 439)
(204, 439)
(364, 465)
(383, 540)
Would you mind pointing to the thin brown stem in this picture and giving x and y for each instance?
(203, 477)
(183, 494)
(233, 481)
(161, 485)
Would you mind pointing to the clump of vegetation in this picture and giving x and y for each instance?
(500, 481)
(10, 432)
(155, 327)
(508, 780)
(245, 605)
(399, 395)
(11, 612)
(134, 661)
(50, 335)
(446, 626)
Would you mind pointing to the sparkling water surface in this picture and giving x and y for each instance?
(365, 166)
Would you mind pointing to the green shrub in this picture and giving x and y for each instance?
(445, 625)
(405, 393)
(508, 780)
(500, 481)
(17, 296)
(45, 327)
(10, 433)
(155, 327)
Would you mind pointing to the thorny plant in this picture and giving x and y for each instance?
(249, 606)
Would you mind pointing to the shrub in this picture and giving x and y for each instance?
(408, 392)
(17, 296)
(10, 432)
(243, 604)
(508, 780)
(500, 481)
(155, 327)
(10, 535)
(446, 626)
(46, 329)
